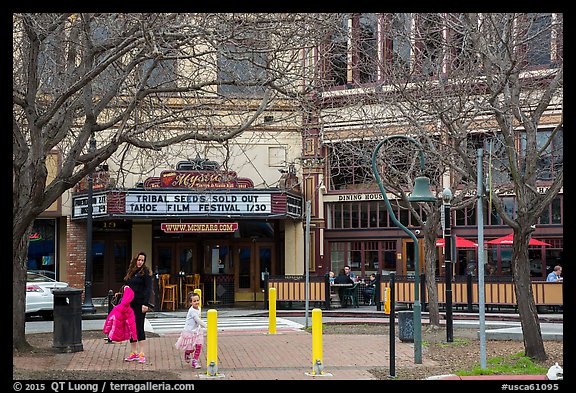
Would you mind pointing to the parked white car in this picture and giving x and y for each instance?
(39, 297)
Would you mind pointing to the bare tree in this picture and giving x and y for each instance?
(138, 81)
(458, 82)
(500, 75)
(354, 121)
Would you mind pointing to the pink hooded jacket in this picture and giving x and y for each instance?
(120, 324)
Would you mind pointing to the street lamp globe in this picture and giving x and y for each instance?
(446, 195)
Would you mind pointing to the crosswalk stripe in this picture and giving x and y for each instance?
(176, 324)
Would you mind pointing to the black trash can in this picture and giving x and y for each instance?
(406, 326)
(67, 320)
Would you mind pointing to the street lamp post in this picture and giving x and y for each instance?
(446, 199)
(420, 193)
(88, 306)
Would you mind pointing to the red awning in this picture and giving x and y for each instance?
(460, 242)
(509, 239)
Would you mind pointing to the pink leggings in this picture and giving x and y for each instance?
(195, 353)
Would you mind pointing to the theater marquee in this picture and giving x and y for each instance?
(194, 189)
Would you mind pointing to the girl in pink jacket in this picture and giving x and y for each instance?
(120, 324)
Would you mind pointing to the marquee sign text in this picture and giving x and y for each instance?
(197, 227)
(202, 204)
(80, 206)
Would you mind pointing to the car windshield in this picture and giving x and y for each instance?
(35, 277)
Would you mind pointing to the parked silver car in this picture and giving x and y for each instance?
(39, 297)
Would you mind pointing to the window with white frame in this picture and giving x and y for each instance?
(370, 47)
(277, 156)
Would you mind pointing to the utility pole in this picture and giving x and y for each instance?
(447, 198)
(88, 306)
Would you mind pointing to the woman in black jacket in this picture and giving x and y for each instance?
(139, 279)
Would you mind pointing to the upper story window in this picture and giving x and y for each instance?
(350, 165)
(163, 74)
(552, 215)
(370, 47)
(552, 158)
(539, 38)
(429, 44)
(242, 67)
(353, 51)
(101, 36)
(336, 70)
(397, 45)
(365, 57)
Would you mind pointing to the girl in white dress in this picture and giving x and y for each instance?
(192, 336)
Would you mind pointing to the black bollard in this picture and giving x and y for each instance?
(392, 290)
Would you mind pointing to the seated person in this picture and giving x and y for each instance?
(555, 275)
(350, 273)
(331, 277)
(342, 279)
(370, 288)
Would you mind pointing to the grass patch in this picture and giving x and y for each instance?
(516, 364)
(455, 342)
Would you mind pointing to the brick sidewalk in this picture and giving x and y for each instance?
(256, 355)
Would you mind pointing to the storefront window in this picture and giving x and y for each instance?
(226, 260)
(509, 207)
(389, 261)
(506, 261)
(556, 211)
(42, 247)
(363, 257)
(337, 256)
(554, 254)
(383, 215)
(371, 259)
(460, 217)
(545, 216)
(364, 215)
(355, 258)
(337, 216)
(536, 262)
(346, 216)
(186, 259)
(165, 259)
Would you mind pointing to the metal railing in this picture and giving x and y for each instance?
(498, 290)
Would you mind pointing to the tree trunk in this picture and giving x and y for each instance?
(19, 255)
(533, 343)
(431, 289)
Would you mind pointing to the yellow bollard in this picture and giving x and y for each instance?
(212, 342)
(199, 292)
(317, 361)
(387, 301)
(272, 311)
